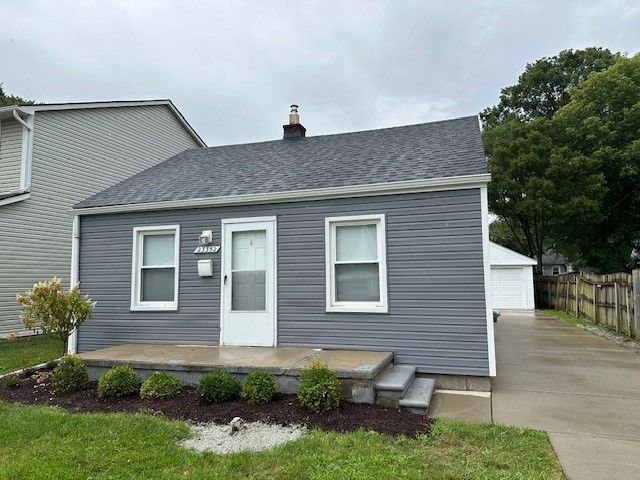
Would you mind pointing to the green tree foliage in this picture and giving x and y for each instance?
(545, 85)
(600, 126)
(6, 99)
(544, 190)
(534, 187)
(54, 312)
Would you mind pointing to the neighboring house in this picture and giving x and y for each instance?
(555, 264)
(52, 156)
(372, 240)
(511, 279)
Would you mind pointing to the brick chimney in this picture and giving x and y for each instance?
(294, 129)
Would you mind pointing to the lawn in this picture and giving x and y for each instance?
(568, 318)
(27, 351)
(46, 442)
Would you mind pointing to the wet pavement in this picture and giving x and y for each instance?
(582, 389)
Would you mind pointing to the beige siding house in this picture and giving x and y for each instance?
(51, 157)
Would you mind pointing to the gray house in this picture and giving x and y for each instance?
(52, 156)
(372, 240)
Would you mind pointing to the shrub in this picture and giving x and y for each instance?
(120, 381)
(218, 386)
(260, 387)
(160, 385)
(54, 312)
(70, 375)
(319, 388)
(27, 372)
(11, 382)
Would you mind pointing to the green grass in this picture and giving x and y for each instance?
(47, 443)
(27, 351)
(566, 317)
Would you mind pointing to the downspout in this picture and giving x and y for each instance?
(27, 150)
(72, 344)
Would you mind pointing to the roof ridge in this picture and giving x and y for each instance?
(354, 132)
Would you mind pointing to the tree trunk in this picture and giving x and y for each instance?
(64, 345)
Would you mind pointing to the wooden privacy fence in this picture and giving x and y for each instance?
(611, 300)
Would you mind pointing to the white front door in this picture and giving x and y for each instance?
(248, 306)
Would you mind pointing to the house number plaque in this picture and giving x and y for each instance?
(207, 249)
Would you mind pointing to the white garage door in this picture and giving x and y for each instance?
(509, 287)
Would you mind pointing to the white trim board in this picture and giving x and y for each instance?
(15, 198)
(31, 109)
(486, 263)
(371, 189)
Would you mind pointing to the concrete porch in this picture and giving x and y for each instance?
(357, 369)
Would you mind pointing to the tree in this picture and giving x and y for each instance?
(48, 308)
(545, 85)
(6, 99)
(601, 125)
(502, 234)
(535, 186)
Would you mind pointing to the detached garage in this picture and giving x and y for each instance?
(511, 279)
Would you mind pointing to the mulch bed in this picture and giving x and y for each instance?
(189, 406)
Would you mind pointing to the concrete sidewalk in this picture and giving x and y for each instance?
(582, 389)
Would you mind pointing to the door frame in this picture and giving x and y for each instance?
(232, 221)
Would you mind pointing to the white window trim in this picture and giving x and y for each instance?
(136, 264)
(330, 282)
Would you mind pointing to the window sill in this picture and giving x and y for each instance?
(153, 308)
(357, 309)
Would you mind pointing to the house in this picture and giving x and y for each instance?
(52, 156)
(555, 264)
(511, 279)
(373, 240)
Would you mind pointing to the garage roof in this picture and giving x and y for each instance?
(502, 256)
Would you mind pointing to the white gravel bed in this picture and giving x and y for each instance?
(253, 437)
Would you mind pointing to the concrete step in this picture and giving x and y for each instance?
(418, 396)
(396, 378)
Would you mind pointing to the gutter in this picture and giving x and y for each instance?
(372, 189)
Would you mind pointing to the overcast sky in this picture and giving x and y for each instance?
(233, 67)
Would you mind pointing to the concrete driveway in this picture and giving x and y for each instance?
(582, 389)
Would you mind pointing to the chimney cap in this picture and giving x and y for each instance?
(294, 108)
(294, 129)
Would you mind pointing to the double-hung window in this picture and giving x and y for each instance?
(154, 273)
(356, 270)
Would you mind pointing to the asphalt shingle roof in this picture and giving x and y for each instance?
(430, 150)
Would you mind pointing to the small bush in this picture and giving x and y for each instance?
(69, 376)
(260, 387)
(51, 365)
(319, 388)
(160, 385)
(218, 386)
(11, 382)
(27, 372)
(120, 381)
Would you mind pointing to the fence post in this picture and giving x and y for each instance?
(577, 295)
(566, 296)
(595, 303)
(627, 302)
(616, 316)
(636, 301)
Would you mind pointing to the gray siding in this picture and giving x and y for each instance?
(10, 155)
(76, 153)
(436, 316)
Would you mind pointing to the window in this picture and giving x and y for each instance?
(356, 271)
(154, 273)
(555, 270)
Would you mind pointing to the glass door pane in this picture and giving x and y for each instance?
(248, 270)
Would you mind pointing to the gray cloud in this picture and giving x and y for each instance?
(234, 67)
